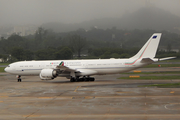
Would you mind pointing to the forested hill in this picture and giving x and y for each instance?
(95, 43)
(144, 18)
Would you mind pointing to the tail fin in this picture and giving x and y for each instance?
(150, 48)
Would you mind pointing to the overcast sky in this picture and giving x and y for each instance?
(73, 11)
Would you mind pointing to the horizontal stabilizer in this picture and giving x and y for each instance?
(167, 58)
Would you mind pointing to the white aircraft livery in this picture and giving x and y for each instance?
(81, 70)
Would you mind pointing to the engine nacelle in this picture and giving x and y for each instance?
(48, 74)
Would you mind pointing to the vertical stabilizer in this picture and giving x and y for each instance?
(150, 48)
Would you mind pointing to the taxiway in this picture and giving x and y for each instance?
(107, 98)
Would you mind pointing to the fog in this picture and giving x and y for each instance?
(21, 12)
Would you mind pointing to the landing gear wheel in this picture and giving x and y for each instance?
(72, 79)
(85, 79)
(91, 79)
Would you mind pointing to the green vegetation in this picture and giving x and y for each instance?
(2, 69)
(83, 44)
(4, 63)
(162, 65)
(168, 85)
(160, 72)
(152, 77)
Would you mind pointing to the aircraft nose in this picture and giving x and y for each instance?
(5, 69)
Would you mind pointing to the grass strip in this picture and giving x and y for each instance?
(152, 77)
(159, 72)
(162, 65)
(170, 61)
(4, 63)
(2, 69)
(168, 85)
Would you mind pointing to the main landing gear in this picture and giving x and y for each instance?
(18, 78)
(77, 79)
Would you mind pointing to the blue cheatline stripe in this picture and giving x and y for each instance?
(80, 68)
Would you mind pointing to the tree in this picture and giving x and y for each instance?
(28, 55)
(77, 43)
(46, 54)
(4, 58)
(18, 53)
(169, 47)
(64, 53)
(40, 34)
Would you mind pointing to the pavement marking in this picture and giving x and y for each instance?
(171, 104)
(172, 92)
(31, 116)
(134, 76)
(76, 88)
(137, 71)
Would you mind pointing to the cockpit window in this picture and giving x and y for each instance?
(8, 66)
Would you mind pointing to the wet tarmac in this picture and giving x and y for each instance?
(107, 98)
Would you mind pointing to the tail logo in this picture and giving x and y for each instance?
(61, 64)
(154, 37)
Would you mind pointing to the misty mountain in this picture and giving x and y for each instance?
(144, 18)
(150, 18)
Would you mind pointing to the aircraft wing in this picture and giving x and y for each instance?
(80, 72)
(84, 72)
(65, 68)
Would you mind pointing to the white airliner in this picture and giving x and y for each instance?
(81, 70)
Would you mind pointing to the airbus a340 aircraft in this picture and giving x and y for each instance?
(81, 70)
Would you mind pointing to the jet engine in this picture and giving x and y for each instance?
(48, 74)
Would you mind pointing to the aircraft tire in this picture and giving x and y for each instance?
(92, 79)
(72, 79)
(81, 79)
